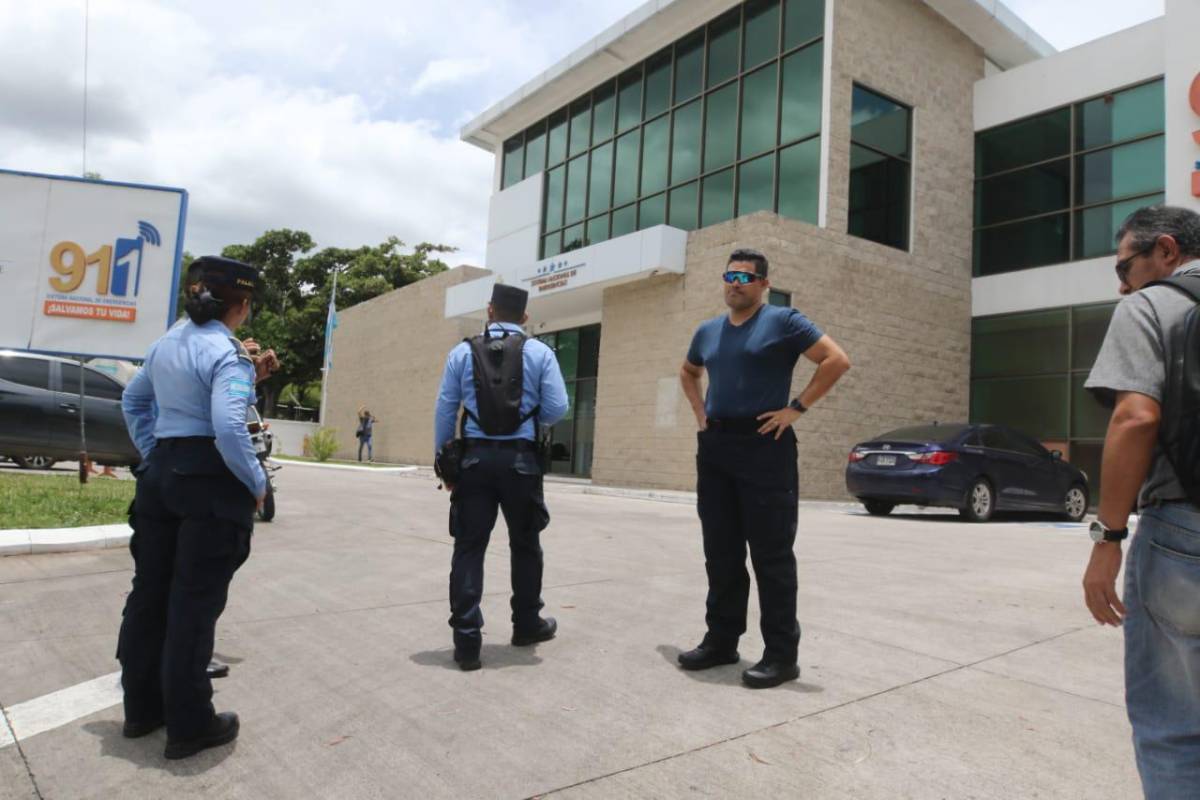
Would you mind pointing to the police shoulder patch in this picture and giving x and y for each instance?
(240, 349)
(239, 388)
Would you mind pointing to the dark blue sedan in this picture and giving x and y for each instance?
(978, 469)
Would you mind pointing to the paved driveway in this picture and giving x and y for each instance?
(940, 660)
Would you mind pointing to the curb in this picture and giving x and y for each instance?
(386, 470)
(63, 540)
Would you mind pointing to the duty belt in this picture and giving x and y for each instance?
(736, 425)
(501, 444)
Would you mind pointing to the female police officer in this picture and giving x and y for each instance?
(197, 487)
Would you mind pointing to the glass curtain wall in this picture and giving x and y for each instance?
(573, 437)
(1055, 187)
(1028, 371)
(724, 122)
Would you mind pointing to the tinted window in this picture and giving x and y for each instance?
(1125, 115)
(805, 19)
(1024, 142)
(535, 149)
(723, 47)
(94, 384)
(924, 433)
(26, 371)
(880, 135)
(1020, 444)
(762, 32)
(513, 161)
(760, 99)
(994, 439)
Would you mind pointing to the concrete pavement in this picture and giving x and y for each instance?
(940, 660)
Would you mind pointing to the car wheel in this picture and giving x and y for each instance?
(981, 502)
(34, 462)
(878, 508)
(1075, 503)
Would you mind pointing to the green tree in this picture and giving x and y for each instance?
(291, 313)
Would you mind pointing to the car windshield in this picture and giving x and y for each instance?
(923, 433)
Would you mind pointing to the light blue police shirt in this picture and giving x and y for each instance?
(194, 384)
(542, 384)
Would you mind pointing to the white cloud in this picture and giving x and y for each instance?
(341, 120)
(447, 72)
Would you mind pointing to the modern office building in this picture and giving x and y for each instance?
(935, 186)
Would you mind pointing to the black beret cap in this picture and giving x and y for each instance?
(509, 299)
(228, 272)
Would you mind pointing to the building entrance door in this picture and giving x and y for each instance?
(573, 437)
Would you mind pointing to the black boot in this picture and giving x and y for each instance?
(544, 632)
(706, 657)
(467, 658)
(216, 669)
(766, 674)
(222, 730)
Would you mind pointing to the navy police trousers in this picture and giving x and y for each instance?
(496, 478)
(192, 521)
(747, 487)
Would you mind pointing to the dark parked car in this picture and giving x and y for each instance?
(39, 412)
(978, 469)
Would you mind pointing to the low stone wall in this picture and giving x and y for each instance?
(289, 435)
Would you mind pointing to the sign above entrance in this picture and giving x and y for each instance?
(548, 276)
(572, 284)
(87, 268)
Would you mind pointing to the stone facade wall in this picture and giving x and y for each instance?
(388, 354)
(903, 317)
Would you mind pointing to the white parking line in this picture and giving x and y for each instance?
(60, 708)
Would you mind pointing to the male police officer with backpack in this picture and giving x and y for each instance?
(507, 384)
(1147, 370)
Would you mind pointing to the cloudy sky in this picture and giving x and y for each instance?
(340, 119)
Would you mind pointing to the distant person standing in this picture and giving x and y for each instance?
(366, 429)
(747, 478)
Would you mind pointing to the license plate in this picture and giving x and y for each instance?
(885, 461)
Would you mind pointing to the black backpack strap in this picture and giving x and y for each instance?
(1188, 284)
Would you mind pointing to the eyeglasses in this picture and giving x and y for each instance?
(1126, 264)
(740, 278)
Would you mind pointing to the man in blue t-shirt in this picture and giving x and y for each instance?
(747, 481)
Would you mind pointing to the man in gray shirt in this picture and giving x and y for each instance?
(1161, 609)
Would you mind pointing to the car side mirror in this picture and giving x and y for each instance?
(1056, 455)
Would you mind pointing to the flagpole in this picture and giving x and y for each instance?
(330, 324)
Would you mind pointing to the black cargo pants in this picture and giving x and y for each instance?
(496, 477)
(746, 490)
(192, 521)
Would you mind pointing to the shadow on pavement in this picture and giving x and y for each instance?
(147, 752)
(493, 656)
(951, 516)
(730, 675)
(224, 659)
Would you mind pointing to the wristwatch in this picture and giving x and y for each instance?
(797, 405)
(1102, 533)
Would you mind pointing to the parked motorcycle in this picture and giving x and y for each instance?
(264, 441)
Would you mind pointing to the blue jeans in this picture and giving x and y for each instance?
(370, 451)
(1162, 650)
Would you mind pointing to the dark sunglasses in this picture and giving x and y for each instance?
(740, 278)
(1126, 264)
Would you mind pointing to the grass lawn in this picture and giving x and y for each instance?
(54, 501)
(309, 459)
